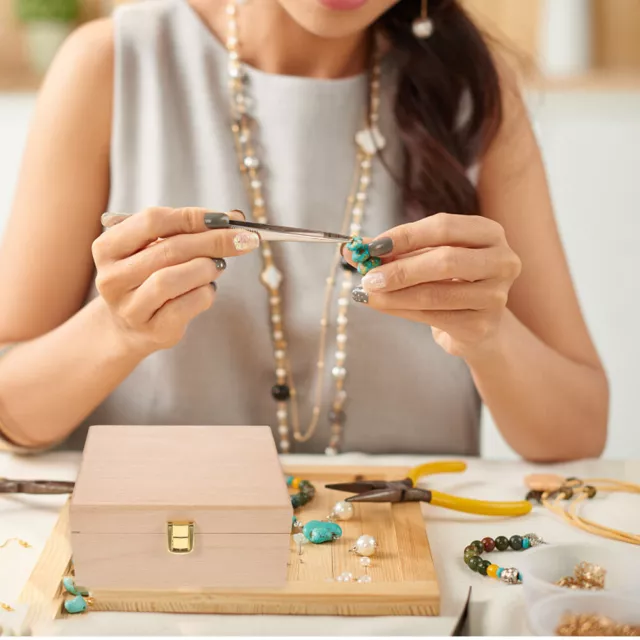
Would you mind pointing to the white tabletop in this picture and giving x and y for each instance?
(497, 609)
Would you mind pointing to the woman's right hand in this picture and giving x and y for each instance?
(157, 270)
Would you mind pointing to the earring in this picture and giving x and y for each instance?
(422, 27)
(81, 602)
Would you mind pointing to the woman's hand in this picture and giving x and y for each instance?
(157, 270)
(452, 272)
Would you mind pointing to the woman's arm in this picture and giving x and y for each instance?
(543, 380)
(49, 381)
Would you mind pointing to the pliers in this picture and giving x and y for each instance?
(407, 491)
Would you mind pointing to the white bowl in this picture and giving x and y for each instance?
(543, 566)
(546, 614)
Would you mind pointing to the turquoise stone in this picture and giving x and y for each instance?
(319, 532)
(70, 586)
(76, 605)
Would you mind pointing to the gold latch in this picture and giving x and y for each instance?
(180, 537)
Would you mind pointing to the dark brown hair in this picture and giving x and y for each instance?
(436, 77)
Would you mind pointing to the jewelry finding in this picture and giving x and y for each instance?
(342, 511)
(594, 625)
(587, 576)
(6, 607)
(365, 545)
(422, 26)
(81, 600)
(23, 543)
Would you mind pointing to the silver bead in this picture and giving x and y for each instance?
(339, 373)
(364, 579)
(422, 28)
(534, 539)
(342, 510)
(366, 545)
(509, 575)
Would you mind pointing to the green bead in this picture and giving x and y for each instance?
(515, 542)
(482, 569)
(479, 547)
(502, 543)
(474, 563)
(469, 552)
(318, 531)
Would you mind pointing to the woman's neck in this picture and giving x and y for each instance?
(272, 41)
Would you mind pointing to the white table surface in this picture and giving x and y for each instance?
(497, 608)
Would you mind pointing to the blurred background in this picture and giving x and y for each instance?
(580, 66)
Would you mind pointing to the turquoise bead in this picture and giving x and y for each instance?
(499, 572)
(70, 586)
(76, 605)
(319, 532)
(525, 543)
(289, 480)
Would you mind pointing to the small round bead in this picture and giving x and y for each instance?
(345, 577)
(474, 563)
(283, 429)
(365, 562)
(492, 570)
(282, 414)
(339, 373)
(366, 545)
(525, 543)
(364, 579)
(337, 417)
(284, 446)
(469, 552)
(515, 542)
(281, 392)
(489, 544)
(478, 546)
(281, 373)
(330, 451)
(342, 511)
(483, 566)
(502, 543)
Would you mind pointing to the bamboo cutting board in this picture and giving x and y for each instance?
(403, 576)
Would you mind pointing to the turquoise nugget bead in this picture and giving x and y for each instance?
(319, 532)
(525, 543)
(76, 605)
(360, 255)
(70, 586)
(499, 572)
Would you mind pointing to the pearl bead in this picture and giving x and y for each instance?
(275, 318)
(366, 164)
(343, 302)
(284, 446)
(365, 562)
(345, 577)
(279, 354)
(262, 220)
(342, 510)
(342, 320)
(277, 335)
(274, 300)
(364, 579)
(282, 414)
(259, 202)
(256, 184)
(365, 545)
(339, 373)
(340, 356)
(283, 429)
(341, 339)
(358, 211)
(266, 253)
(281, 373)
(361, 196)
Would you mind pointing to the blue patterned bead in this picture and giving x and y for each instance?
(360, 255)
(355, 243)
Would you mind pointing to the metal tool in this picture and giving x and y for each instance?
(268, 232)
(35, 487)
(406, 491)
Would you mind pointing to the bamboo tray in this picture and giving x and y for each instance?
(403, 575)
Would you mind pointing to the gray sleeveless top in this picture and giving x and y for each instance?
(172, 146)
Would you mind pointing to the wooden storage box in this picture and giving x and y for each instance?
(180, 507)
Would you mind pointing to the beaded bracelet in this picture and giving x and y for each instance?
(510, 575)
(305, 493)
(360, 254)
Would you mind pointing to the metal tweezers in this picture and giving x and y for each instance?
(36, 487)
(268, 232)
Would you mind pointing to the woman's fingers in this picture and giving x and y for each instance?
(439, 296)
(179, 312)
(168, 284)
(138, 231)
(440, 230)
(442, 263)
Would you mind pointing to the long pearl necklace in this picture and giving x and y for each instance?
(368, 141)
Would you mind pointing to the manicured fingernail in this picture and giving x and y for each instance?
(216, 220)
(374, 281)
(239, 213)
(380, 247)
(246, 241)
(360, 295)
(221, 264)
(215, 286)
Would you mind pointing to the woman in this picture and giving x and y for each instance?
(260, 107)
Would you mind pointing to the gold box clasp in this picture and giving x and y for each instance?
(180, 537)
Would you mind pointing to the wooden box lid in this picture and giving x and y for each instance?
(135, 479)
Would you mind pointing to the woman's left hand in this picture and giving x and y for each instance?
(452, 272)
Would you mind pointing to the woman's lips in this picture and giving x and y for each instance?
(343, 5)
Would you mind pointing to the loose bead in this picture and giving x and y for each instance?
(515, 543)
(492, 570)
(502, 543)
(281, 392)
(489, 544)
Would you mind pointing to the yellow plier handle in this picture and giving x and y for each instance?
(465, 505)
